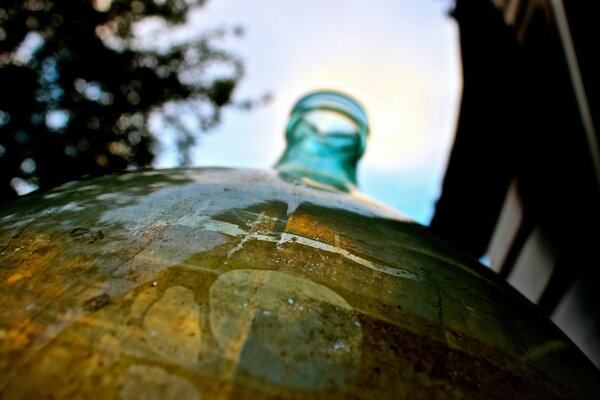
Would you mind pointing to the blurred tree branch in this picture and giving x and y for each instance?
(77, 91)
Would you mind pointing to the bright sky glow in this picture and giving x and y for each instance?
(399, 58)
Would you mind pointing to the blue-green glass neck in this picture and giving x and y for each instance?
(326, 136)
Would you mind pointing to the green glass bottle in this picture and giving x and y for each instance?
(216, 283)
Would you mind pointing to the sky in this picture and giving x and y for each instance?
(398, 58)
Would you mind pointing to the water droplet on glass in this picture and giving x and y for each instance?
(338, 345)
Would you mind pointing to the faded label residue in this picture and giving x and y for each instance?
(153, 383)
(285, 329)
(172, 325)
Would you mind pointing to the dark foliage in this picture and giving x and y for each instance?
(76, 91)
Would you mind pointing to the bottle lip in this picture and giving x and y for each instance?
(339, 102)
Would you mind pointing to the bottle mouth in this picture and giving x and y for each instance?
(333, 114)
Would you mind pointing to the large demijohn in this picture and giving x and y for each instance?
(246, 284)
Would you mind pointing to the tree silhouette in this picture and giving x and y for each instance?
(77, 89)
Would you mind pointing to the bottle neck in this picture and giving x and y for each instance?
(326, 136)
